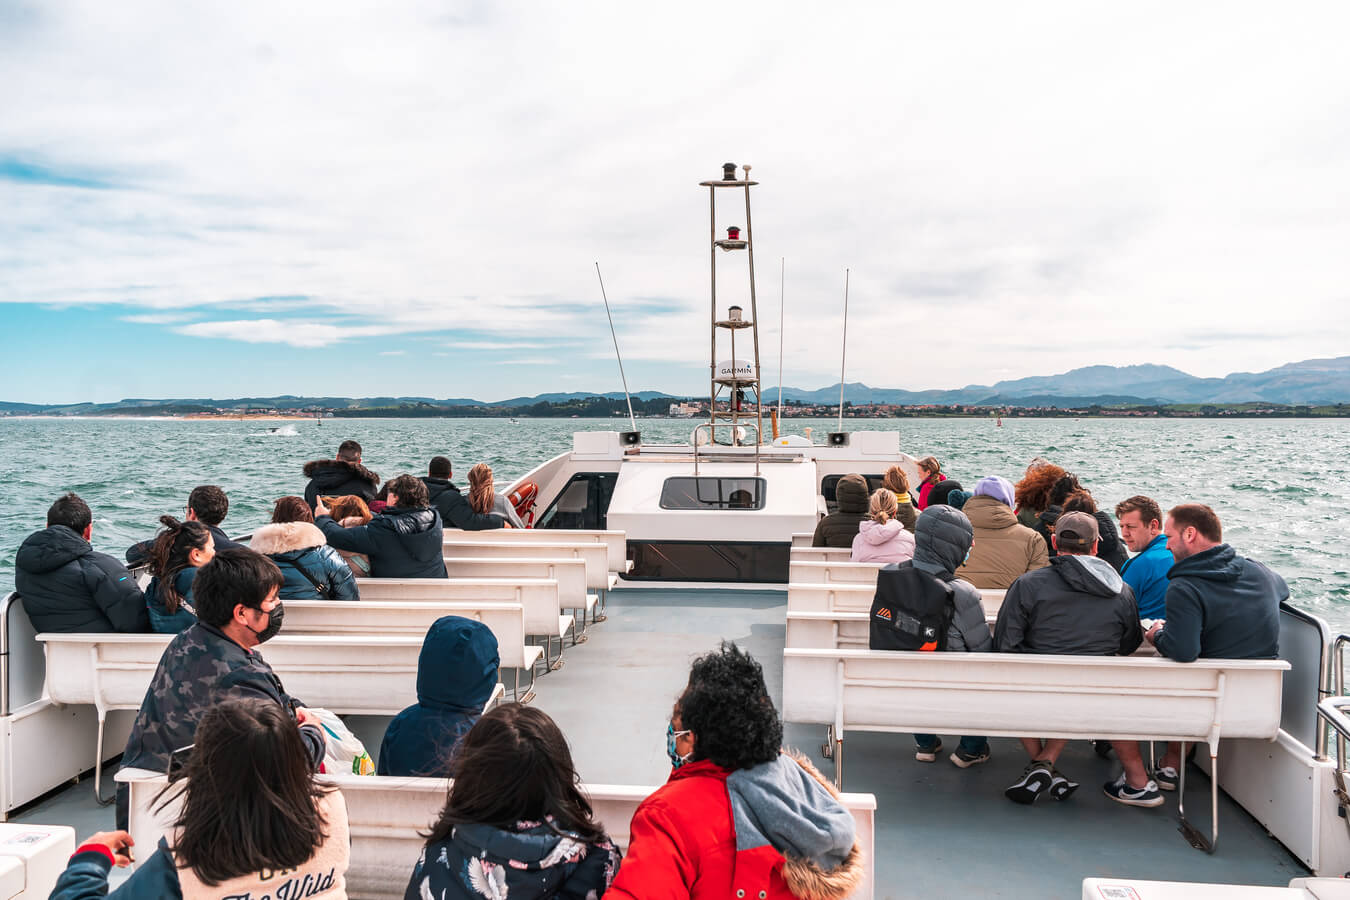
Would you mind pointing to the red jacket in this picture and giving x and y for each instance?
(683, 847)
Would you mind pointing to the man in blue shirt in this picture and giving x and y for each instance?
(1141, 525)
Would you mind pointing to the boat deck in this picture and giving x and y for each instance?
(939, 828)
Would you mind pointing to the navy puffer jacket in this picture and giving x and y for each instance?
(68, 587)
(456, 674)
(299, 545)
(401, 543)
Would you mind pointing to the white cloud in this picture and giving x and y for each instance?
(1018, 189)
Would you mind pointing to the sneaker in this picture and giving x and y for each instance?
(963, 760)
(1035, 781)
(1061, 788)
(928, 754)
(1121, 792)
(1166, 777)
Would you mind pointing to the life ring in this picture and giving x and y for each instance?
(522, 500)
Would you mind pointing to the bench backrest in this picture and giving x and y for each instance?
(372, 675)
(595, 555)
(616, 544)
(819, 554)
(801, 539)
(506, 621)
(385, 814)
(21, 662)
(830, 572)
(1012, 695)
(538, 596)
(569, 573)
(845, 597)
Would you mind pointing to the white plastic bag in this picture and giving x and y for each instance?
(344, 753)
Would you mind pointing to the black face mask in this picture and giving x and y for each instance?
(274, 619)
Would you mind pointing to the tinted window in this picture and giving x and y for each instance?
(681, 561)
(583, 503)
(688, 492)
(828, 483)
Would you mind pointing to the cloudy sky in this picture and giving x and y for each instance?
(237, 198)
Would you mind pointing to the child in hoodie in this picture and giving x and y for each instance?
(882, 537)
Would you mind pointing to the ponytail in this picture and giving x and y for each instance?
(169, 556)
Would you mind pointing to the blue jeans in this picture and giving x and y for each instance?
(971, 746)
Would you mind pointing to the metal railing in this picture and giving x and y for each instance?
(10, 599)
(709, 426)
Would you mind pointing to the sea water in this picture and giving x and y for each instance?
(1281, 487)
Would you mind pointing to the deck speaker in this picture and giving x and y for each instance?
(630, 438)
(838, 439)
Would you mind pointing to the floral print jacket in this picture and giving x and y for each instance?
(536, 860)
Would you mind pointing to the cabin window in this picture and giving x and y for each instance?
(582, 504)
(689, 492)
(724, 561)
(830, 482)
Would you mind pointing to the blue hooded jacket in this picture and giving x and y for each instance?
(1146, 574)
(456, 673)
(163, 621)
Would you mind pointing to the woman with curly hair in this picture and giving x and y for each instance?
(1032, 493)
(738, 817)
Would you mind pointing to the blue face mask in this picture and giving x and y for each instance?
(671, 736)
(967, 559)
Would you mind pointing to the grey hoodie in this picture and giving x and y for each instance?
(942, 537)
(1077, 606)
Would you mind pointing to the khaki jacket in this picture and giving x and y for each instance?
(1003, 549)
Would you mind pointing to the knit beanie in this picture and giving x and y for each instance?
(996, 486)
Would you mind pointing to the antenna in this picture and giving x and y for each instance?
(843, 354)
(782, 271)
(622, 376)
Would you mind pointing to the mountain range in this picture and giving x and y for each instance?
(1312, 382)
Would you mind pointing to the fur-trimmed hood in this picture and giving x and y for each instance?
(285, 537)
(796, 811)
(346, 469)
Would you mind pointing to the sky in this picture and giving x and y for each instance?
(227, 199)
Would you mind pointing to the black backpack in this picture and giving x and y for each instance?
(911, 610)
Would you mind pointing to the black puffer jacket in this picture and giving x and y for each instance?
(840, 528)
(66, 586)
(1078, 605)
(401, 543)
(454, 507)
(338, 478)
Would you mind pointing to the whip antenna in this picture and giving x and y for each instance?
(622, 377)
(843, 354)
(782, 271)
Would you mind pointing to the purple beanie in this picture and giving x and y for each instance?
(996, 486)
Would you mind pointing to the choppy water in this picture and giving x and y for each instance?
(1282, 488)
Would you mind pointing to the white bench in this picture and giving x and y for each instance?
(616, 544)
(832, 571)
(598, 575)
(802, 539)
(845, 597)
(539, 597)
(819, 554)
(32, 857)
(1016, 695)
(1298, 889)
(385, 814)
(569, 573)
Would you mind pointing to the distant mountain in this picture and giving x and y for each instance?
(1311, 382)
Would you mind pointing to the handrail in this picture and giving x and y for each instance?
(709, 425)
(1328, 679)
(1338, 691)
(10, 599)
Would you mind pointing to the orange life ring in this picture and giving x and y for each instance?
(522, 499)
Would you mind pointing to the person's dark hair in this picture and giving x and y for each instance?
(233, 576)
(411, 490)
(514, 765)
(1033, 491)
(292, 509)
(1080, 501)
(1066, 485)
(169, 555)
(1147, 507)
(71, 512)
(727, 707)
(1200, 517)
(250, 801)
(349, 451)
(209, 503)
(439, 467)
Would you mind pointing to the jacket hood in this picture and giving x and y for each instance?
(437, 486)
(877, 533)
(534, 846)
(1219, 563)
(285, 537)
(942, 538)
(333, 472)
(987, 512)
(787, 805)
(1088, 574)
(851, 494)
(457, 668)
(51, 548)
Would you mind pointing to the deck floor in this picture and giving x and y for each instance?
(940, 830)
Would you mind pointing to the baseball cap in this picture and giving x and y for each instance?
(1076, 530)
